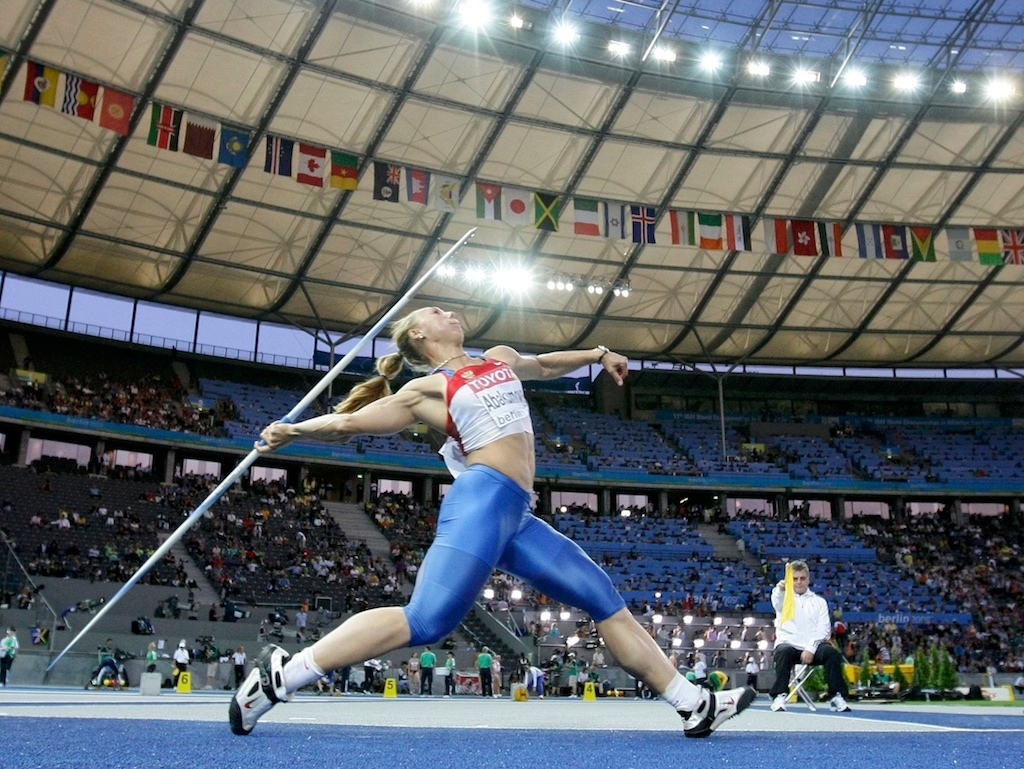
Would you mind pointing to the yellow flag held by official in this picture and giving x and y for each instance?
(789, 602)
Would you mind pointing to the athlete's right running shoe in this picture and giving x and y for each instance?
(714, 709)
(260, 691)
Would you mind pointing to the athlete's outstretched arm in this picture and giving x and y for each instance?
(386, 416)
(551, 365)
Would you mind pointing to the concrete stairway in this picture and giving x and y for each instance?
(358, 525)
(725, 545)
(205, 593)
(20, 347)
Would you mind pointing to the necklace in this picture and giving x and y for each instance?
(446, 360)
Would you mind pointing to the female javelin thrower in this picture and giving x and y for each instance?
(484, 521)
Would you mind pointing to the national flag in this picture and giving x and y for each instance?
(644, 220)
(312, 167)
(386, 178)
(164, 127)
(737, 232)
(200, 138)
(444, 193)
(959, 244)
(417, 185)
(344, 170)
(79, 97)
(990, 247)
(614, 221)
(546, 210)
(517, 207)
(41, 83)
(710, 228)
(789, 599)
(278, 160)
(1013, 246)
(894, 240)
(922, 242)
(804, 241)
(869, 241)
(586, 213)
(683, 224)
(830, 238)
(488, 201)
(234, 147)
(116, 110)
(776, 236)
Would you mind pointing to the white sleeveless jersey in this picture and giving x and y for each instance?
(485, 403)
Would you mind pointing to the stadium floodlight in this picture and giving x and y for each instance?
(564, 614)
(518, 22)
(566, 33)
(619, 48)
(545, 616)
(958, 86)
(710, 61)
(759, 68)
(662, 53)
(1000, 89)
(806, 76)
(855, 78)
(475, 14)
(906, 83)
(488, 593)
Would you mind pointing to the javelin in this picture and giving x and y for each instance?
(244, 465)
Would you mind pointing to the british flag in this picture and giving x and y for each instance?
(1013, 246)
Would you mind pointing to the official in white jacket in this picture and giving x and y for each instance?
(804, 640)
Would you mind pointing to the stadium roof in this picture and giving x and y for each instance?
(85, 199)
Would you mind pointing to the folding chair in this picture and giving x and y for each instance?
(796, 685)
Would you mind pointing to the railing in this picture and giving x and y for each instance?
(150, 340)
(12, 556)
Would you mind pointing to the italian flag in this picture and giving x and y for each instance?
(586, 217)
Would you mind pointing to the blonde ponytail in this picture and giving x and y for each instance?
(374, 388)
(388, 367)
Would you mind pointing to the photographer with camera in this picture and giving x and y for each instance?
(210, 654)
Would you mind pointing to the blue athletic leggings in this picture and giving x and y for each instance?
(485, 523)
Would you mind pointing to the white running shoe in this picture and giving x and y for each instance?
(779, 703)
(838, 704)
(714, 709)
(260, 691)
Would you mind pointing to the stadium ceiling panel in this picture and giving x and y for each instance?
(733, 182)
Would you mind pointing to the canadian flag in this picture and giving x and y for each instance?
(312, 164)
